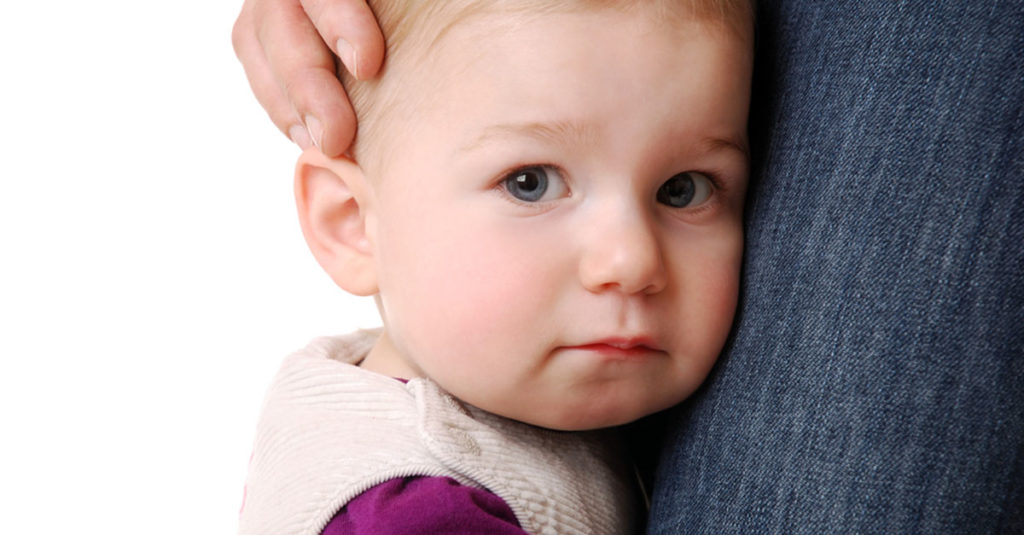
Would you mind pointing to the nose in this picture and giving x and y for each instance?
(623, 253)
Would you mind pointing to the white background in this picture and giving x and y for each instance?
(152, 272)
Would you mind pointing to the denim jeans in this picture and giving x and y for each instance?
(874, 380)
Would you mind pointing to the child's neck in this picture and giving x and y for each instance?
(385, 359)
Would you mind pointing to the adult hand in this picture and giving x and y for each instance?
(286, 49)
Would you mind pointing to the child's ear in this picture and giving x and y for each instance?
(332, 197)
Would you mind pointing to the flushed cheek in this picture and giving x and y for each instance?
(466, 293)
(708, 276)
(717, 306)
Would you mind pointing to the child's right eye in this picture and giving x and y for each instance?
(535, 183)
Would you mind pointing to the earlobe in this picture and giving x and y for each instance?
(332, 199)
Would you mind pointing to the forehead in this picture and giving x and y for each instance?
(587, 67)
(494, 67)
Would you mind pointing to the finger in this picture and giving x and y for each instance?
(350, 29)
(268, 92)
(304, 70)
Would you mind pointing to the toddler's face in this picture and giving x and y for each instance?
(558, 236)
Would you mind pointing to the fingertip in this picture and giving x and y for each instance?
(351, 31)
(298, 134)
(336, 141)
(364, 59)
(321, 107)
(315, 129)
(339, 129)
(349, 56)
(370, 56)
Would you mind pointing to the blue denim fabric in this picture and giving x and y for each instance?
(874, 382)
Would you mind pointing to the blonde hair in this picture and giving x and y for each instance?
(413, 27)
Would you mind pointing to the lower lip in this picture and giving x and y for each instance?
(613, 351)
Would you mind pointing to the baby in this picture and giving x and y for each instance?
(553, 246)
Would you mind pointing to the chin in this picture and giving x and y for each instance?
(591, 418)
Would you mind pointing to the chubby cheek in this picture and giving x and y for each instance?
(708, 297)
(461, 298)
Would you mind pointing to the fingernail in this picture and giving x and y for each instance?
(348, 56)
(299, 136)
(316, 130)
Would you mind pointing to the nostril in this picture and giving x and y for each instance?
(628, 271)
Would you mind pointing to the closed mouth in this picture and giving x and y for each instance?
(620, 346)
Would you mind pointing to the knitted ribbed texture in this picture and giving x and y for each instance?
(330, 430)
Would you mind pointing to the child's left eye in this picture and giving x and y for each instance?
(535, 183)
(685, 189)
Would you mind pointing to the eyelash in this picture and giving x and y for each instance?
(716, 181)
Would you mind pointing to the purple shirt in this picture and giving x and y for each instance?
(418, 505)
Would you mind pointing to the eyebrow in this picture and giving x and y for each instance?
(558, 132)
(567, 132)
(716, 144)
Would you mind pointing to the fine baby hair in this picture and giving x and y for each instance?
(412, 27)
